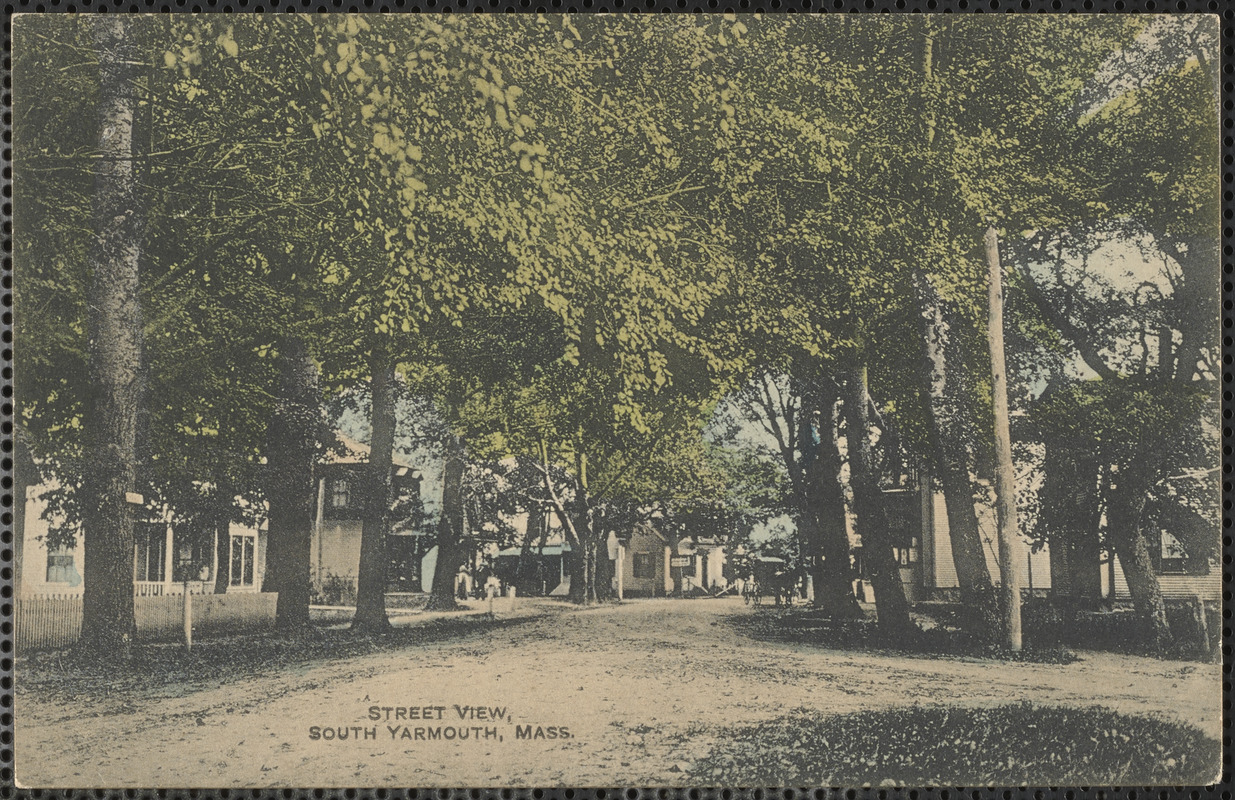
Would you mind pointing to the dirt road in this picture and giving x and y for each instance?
(642, 690)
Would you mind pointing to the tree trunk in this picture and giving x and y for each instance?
(524, 568)
(1201, 263)
(810, 545)
(831, 569)
(1085, 568)
(968, 553)
(221, 523)
(292, 456)
(1005, 478)
(114, 351)
(583, 524)
(872, 523)
(581, 565)
(450, 529)
(371, 577)
(1125, 509)
(576, 570)
(223, 554)
(951, 429)
(603, 574)
(25, 474)
(531, 573)
(1071, 514)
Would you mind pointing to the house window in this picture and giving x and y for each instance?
(907, 556)
(643, 566)
(186, 565)
(244, 550)
(340, 496)
(61, 569)
(149, 552)
(1174, 557)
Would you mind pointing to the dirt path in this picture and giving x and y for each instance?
(643, 689)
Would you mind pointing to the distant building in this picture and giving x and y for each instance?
(919, 521)
(337, 521)
(643, 563)
(167, 559)
(170, 558)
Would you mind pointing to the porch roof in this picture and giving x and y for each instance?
(547, 550)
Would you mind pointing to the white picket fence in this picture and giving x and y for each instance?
(46, 622)
(49, 622)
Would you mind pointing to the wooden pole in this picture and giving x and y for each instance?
(1005, 482)
(188, 617)
(621, 566)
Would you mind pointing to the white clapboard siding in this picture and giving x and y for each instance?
(945, 566)
(1174, 587)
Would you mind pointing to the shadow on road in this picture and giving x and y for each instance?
(155, 666)
(811, 627)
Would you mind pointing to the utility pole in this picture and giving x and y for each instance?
(1005, 481)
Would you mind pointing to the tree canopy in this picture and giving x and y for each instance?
(578, 236)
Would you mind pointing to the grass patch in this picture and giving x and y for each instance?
(1021, 744)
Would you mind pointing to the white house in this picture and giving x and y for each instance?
(164, 563)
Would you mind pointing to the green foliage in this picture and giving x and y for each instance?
(577, 235)
(334, 590)
(1008, 745)
(1119, 422)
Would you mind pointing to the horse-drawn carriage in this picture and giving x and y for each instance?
(773, 578)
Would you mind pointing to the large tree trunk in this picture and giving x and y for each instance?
(1201, 263)
(583, 518)
(603, 574)
(531, 577)
(450, 529)
(576, 570)
(831, 569)
(222, 554)
(25, 474)
(1085, 571)
(221, 524)
(951, 429)
(115, 355)
(292, 456)
(1005, 477)
(1071, 514)
(371, 579)
(872, 523)
(582, 563)
(524, 568)
(807, 518)
(1124, 513)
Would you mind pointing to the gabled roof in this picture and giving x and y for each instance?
(648, 525)
(354, 452)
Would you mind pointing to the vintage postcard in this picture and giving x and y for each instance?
(459, 400)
